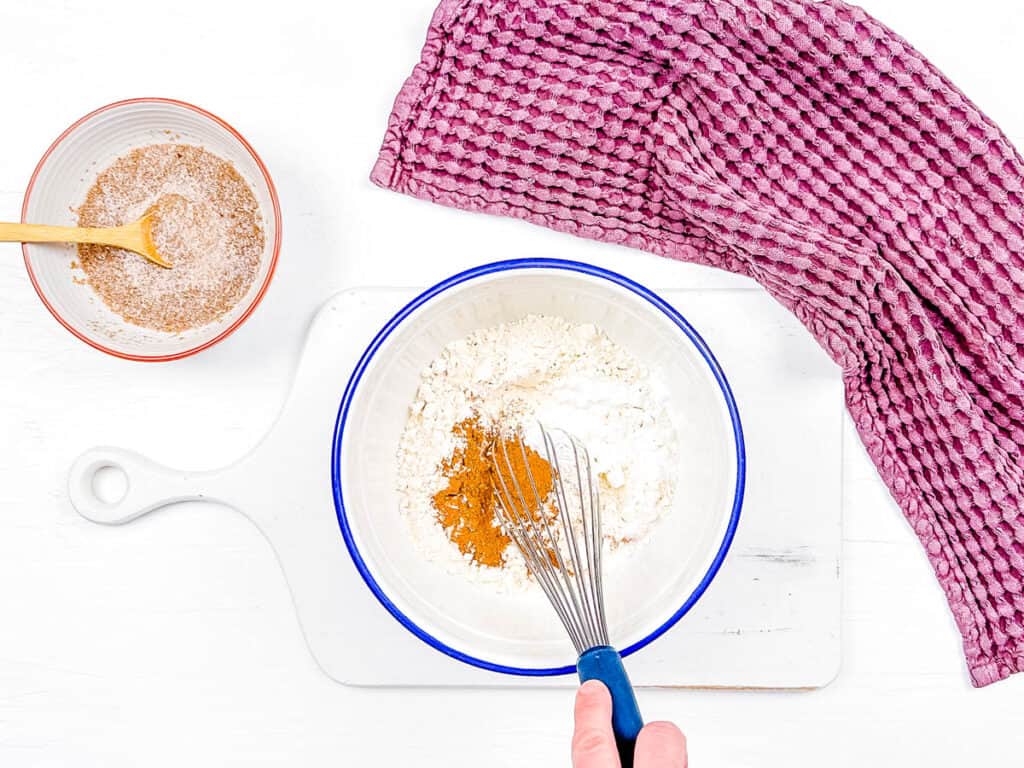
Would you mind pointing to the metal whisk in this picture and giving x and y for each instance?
(560, 539)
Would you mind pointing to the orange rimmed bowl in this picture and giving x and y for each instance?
(60, 183)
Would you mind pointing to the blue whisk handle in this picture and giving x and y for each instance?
(604, 663)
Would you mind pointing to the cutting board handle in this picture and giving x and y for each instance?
(149, 485)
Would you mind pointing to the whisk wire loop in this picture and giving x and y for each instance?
(564, 556)
(582, 571)
(597, 542)
(519, 524)
(573, 573)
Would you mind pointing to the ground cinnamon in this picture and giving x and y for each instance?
(467, 507)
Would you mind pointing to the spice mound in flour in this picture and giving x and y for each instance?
(206, 223)
(539, 368)
(467, 507)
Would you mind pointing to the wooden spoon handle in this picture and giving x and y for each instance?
(120, 237)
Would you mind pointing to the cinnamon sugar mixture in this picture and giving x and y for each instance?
(206, 222)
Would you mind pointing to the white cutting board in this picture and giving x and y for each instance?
(770, 619)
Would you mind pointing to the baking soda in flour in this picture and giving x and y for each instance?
(566, 375)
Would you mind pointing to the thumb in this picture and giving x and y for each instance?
(661, 745)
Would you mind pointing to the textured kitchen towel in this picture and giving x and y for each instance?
(809, 147)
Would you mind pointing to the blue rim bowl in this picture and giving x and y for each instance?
(507, 266)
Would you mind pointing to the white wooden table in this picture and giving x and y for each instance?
(173, 641)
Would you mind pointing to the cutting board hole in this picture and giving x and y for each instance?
(110, 484)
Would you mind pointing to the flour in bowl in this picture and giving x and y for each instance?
(566, 375)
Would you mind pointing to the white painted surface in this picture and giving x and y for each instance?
(769, 620)
(173, 641)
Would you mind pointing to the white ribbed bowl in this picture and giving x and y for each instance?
(63, 178)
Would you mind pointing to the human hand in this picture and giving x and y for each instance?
(660, 745)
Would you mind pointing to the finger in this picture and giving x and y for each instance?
(660, 745)
(593, 744)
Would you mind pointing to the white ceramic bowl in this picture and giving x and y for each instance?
(519, 633)
(60, 183)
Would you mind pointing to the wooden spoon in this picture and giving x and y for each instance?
(136, 237)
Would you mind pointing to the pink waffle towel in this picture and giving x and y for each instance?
(809, 147)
